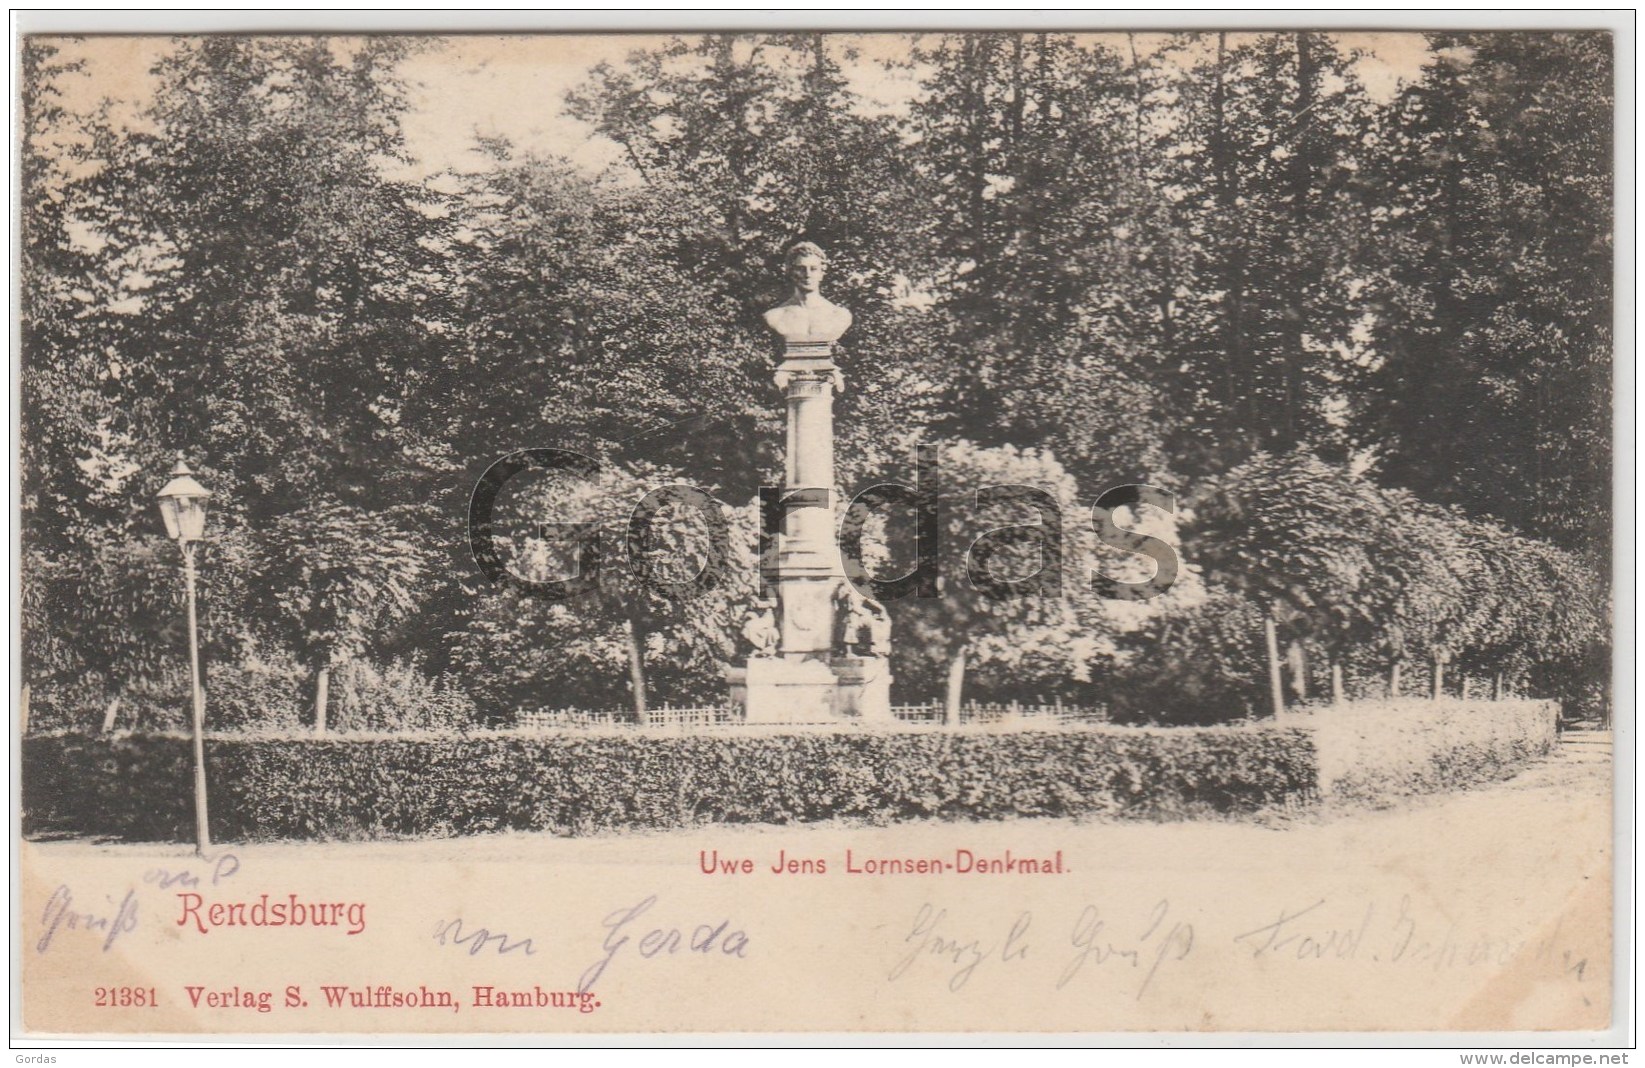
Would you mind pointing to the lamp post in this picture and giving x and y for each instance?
(183, 507)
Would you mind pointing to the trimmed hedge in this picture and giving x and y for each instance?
(138, 787)
(1378, 750)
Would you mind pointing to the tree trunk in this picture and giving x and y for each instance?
(1496, 687)
(1336, 684)
(1137, 95)
(956, 685)
(1231, 267)
(108, 717)
(1276, 681)
(1393, 680)
(1299, 669)
(1439, 678)
(1467, 687)
(1019, 103)
(322, 688)
(1292, 356)
(636, 668)
(978, 114)
(1221, 165)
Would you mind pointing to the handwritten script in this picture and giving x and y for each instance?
(958, 951)
(1398, 935)
(930, 937)
(224, 867)
(622, 925)
(452, 932)
(60, 914)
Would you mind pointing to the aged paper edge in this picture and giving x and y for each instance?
(1620, 22)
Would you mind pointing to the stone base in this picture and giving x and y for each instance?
(864, 691)
(774, 689)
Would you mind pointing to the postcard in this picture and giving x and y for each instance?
(853, 532)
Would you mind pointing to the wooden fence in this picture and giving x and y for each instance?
(999, 712)
(701, 717)
(666, 716)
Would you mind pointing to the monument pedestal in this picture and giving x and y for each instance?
(795, 690)
(863, 688)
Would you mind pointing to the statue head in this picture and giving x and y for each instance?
(807, 318)
(806, 263)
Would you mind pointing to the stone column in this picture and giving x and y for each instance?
(808, 556)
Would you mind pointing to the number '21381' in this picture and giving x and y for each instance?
(125, 997)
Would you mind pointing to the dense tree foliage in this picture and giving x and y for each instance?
(1365, 337)
(1373, 580)
(1493, 191)
(657, 575)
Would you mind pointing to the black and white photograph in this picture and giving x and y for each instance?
(1012, 530)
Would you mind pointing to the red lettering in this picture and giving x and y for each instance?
(191, 907)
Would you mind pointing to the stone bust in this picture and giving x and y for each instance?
(807, 317)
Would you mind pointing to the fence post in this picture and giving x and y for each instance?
(1439, 677)
(1336, 683)
(1393, 679)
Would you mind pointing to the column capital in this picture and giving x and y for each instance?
(796, 371)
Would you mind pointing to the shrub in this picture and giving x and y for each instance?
(1378, 750)
(157, 703)
(1200, 664)
(74, 703)
(263, 690)
(138, 786)
(397, 697)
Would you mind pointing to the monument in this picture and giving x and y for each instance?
(818, 654)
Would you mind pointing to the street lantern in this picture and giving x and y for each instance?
(183, 507)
